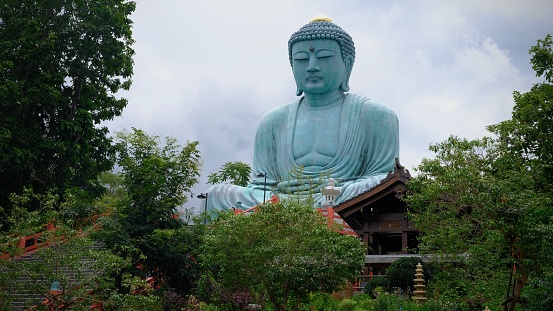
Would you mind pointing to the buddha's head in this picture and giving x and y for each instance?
(322, 56)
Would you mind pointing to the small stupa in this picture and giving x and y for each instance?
(419, 285)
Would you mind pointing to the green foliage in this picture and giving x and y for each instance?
(542, 58)
(377, 285)
(489, 200)
(237, 173)
(529, 133)
(125, 302)
(321, 302)
(402, 272)
(477, 198)
(324, 302)
(539, 292)
(283, 252)
(141, 206)
(157, 178)
(208, 289)
(386, 302)
(468, 287)
(86, 272)
(114, 194)
(61, 64)
(347, 305)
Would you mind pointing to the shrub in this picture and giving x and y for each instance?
(388, 302)
(402, 272)
(322, 302)
(347, 305)
(380, 283)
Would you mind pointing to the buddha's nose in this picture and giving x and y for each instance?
(313, 65)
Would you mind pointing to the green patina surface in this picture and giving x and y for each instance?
(327, 132)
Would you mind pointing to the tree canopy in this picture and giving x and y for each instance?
(156, 179)
(61, 66)
(283, 252)
(489, 200)
(237, 173)
(529, 133)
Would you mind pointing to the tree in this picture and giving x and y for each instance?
(284, 251)
(237, 173)
(402, 272)
(529, 133)
(476, 204)
(61, 65)
(156, 180)
(489, 200)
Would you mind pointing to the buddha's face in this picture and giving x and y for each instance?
(318, 66)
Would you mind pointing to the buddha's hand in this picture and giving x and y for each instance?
(303, 186)
(300, 186)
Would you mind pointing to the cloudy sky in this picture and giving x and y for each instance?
(208, 70)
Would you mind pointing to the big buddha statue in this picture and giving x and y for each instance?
(327, 132)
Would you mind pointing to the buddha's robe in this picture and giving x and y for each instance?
(368, 145)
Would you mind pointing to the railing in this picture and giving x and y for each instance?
(333, 218)
(274, 199)
(362, 280)
(31, 243)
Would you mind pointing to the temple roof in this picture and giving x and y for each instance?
(386, 197)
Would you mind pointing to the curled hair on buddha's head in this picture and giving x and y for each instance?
(322, 27)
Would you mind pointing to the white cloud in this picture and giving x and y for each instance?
(208, 70)
(535, 9)
(484, 63)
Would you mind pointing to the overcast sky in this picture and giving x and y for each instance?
(208, 70)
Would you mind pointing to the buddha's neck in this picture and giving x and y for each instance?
(321, 100)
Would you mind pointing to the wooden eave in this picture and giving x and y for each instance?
(394, 184)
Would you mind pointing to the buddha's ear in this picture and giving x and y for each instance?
(348, 62)
(298, 91)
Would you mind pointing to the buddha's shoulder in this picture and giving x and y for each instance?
(277, 114)
(369, 105)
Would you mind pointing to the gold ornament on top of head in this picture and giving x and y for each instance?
(320, 18)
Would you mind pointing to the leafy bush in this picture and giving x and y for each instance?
(347, 305)
(539, 293)
(402, 272)
(282, 252)
(387, 303)
(321, 302)
(375, 283)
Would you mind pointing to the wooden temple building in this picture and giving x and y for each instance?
(378, 217)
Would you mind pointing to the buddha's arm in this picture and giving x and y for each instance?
(270, 156)
(382, 140)
(381, 148)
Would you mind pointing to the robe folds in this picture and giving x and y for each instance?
(368, 145)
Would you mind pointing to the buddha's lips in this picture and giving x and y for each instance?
(314, 76)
